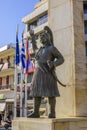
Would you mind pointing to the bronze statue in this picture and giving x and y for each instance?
(44, 81)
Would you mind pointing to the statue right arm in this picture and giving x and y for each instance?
(33, 40)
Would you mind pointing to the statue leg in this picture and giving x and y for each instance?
(52, 103)
(35, 114)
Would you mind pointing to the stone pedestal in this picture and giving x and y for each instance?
(50, 124)
(67, 24)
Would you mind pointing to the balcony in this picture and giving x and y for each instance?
(6, 66)
(44, 20)
(6, 87)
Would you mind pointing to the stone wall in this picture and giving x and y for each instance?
(67, 24)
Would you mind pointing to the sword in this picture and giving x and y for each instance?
(55, 76)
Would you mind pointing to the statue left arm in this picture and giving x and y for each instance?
(58, 58)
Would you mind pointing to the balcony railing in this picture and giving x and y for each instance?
(5, 66)
(42, 21)
(5, 87)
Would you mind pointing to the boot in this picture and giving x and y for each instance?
(52, 103)
(35, 114)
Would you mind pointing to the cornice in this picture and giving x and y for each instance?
(8, 52)
(40, 4)
(5, 72)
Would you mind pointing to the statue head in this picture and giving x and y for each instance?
(46, 37)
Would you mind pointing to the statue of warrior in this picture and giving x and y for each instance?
(44, 81)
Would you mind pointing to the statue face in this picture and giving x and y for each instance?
(43, 38)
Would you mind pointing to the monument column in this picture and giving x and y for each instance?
(67, 24)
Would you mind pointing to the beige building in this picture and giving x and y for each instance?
(7, 69)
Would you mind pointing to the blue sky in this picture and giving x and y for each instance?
(11, 14)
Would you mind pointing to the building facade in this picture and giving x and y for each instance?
(7, 70)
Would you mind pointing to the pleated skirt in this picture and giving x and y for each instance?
(43, 84)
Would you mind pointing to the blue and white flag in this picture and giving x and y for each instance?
(23, 57)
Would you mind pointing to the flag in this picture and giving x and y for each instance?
(29, 65)
(23, 54)
(17, 59)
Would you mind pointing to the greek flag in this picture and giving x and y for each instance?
(23, 57)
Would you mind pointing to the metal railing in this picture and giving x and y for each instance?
(3, 67)
(44, 20)
(6, 87)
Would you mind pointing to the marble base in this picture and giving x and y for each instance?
(74, 123)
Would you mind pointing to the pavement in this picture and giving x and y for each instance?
(3, 128)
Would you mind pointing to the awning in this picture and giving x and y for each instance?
(9, 100)
(2, 106)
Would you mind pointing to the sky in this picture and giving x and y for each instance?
(11, 14)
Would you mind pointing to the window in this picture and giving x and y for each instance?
(0, 82)
(85, 26)
(7, 80)
(85, 8)
(1, 60)
(86, 47)
(29, 77)
(19, 78)
(8, 61)
(86, 50)
(32, 25)
(43, 19)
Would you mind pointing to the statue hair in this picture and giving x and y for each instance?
(48, 30)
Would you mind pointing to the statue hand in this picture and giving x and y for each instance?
(31, 32)
(50, 64)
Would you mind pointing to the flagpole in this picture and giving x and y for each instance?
(29, 69)
(26, 95)
(17, 60)
(15, 91)
(21, 86)
(26, 51)
(21, 95)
